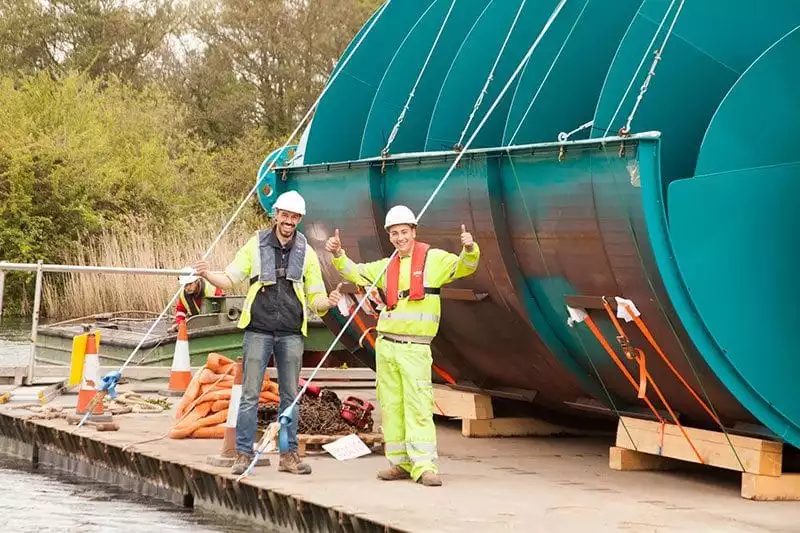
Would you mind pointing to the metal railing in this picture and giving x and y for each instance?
(40, 268)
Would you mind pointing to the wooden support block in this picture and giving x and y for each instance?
(770, 488)
(512, 427)
(630, 460)
(759, 456)
(461, 404)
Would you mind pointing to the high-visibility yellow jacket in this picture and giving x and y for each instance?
(187, 305)
(412, 320)
(310, 290)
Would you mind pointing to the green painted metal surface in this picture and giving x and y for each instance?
(686, 223)
(551, 97)
(337, 129)
(700, 63)
(402, 72)
(472, 66)
(734, 232)
(270, 185)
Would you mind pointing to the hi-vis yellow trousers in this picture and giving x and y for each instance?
(405, 394)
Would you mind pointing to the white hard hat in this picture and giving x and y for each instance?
(399, 214)
(291, 201)
(187, 278)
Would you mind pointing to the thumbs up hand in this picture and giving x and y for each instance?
(466, 238)
(335, 295)
(334, 244)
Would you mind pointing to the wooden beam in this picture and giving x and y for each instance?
(629, 460)
(769, 488)
(759, 456)
(460, 404)
(514, 427)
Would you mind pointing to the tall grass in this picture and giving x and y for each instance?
(138, 245)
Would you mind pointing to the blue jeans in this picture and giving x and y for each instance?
(258, 348)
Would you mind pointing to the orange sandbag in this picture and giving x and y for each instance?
(226, 385)
(219, 405)
(213, 419)
(218, 363)
(270, 387)
(218, 394)
(268, 397)
(190, 422)
(207, 376)
(192, 392)
(213, 432)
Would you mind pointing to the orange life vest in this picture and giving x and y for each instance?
(416, 288)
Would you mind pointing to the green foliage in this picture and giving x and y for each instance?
(78, 156)
(157, 111)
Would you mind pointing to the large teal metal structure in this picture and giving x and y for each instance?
(690, 214)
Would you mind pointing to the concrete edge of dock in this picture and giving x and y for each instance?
(172, 481)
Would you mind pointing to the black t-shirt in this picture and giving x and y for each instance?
(276, 308)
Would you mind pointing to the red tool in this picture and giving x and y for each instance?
(356, 412)
(312, 389)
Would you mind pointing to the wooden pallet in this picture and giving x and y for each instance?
(476, 413)
(641, 446)
(307, 443)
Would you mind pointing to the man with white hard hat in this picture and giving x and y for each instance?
(190, 299)
(406, 326)
(285, 280)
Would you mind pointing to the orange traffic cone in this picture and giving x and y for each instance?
(181, 373)
(87, 392)
(227, 455)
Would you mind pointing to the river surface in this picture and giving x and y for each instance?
(45, 500)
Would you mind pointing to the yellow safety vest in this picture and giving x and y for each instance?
(310, 291)
(208, 290)
(412, 319)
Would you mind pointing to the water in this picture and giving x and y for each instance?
(48, 500)
(43, 500)
(15, 347)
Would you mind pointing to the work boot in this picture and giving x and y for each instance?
(393, 474)
(429, 479)
(241, 463)
(290, 462)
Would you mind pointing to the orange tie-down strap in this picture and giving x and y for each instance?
(649, 336)
(644, 376)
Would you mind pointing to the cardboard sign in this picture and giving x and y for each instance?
(349, 447)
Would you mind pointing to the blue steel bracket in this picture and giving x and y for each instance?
(269, 187)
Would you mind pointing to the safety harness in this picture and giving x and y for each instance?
(417, 289)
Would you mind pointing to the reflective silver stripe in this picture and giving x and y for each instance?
(316, 288)
(467, 263)
(235, 274)
(418, 339)
(348, 268)
(393, 447)
(362, 271)
(398, 459)
(418, 450)
(424, 457)
(405, 315)
(180, 313)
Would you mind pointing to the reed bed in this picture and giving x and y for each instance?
(137, 245)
